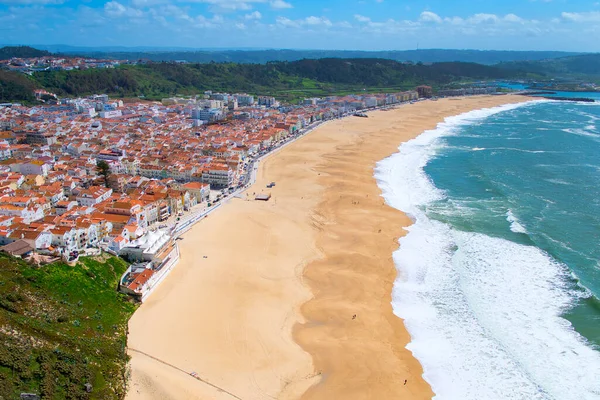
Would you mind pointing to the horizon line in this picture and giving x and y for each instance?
(217, 49)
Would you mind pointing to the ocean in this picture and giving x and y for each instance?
(499, 276)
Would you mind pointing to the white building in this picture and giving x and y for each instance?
(208, 114)
(218, 175)
(370, 102)
(244, 99)
(32, 168)
(111, 113)
(28, 214)
(147, 247)
(64, 238)
(93, 195)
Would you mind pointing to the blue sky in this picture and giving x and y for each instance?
(309, 24)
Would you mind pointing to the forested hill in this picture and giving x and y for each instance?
(587, 65)
(16, 86)
(487, 57)
(285, 80)
(380, 72)
(9, 52)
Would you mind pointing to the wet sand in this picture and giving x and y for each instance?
(270, 312)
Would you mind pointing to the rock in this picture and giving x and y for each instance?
(29, 396)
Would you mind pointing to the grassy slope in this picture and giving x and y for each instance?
(62, 327)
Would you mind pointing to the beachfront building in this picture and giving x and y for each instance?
(425, 91)
(201, 191)
(155, 254)
(371, 102)
(218, 175)
(146, 247)
(469, 91)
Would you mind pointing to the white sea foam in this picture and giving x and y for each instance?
(483, 312)
(515, 224)
(558, 181)
(580, 132)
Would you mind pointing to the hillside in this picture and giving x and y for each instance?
(580, 66)
(9, 52)
(285, 80)
(487, 57)
(62, 327)
(15, 87)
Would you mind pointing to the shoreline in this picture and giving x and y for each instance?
(269, 312)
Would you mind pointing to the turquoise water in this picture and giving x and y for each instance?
(499, 277)
(541, 164)
(591, 95)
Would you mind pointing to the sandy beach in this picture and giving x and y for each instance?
(293, 299)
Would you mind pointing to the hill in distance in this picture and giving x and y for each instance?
(579, 66)
(9, 52)
(285, 80)
(262, 56)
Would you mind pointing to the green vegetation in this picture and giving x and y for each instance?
(487, 57)
(16, 87)
(285, 80)
(62, 327)
(585, 66)
(9, 52)
(103, 169)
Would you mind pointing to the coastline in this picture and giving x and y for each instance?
(270, 312)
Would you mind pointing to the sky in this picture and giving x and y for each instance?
(570, 25)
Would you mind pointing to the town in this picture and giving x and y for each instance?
(85, 175)
(30, 65)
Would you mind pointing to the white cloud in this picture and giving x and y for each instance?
(228, 5)
(428, 16)
(116, 9)
(202, 22)
(31, 2)
(174, 11)
(592, 16)
(317, 21)
(513, 18)
(253, 16)
(147, 3)
(286, 22)
(235, 5)
(308, 21)
(454, 20)
(483, 18)
(280, 4)
(361, 18)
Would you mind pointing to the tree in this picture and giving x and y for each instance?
(103, 169)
